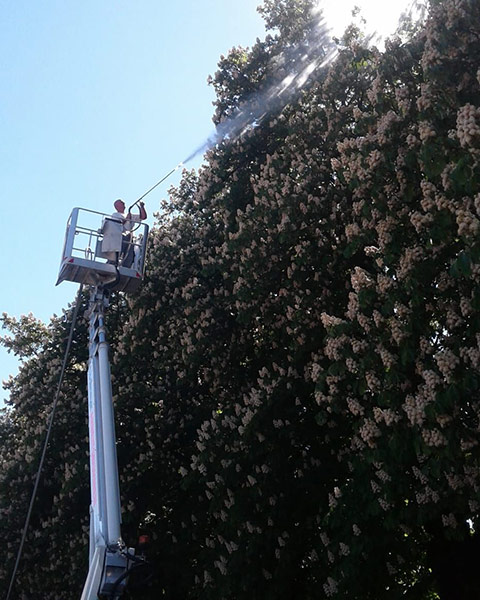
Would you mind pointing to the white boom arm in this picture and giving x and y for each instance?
(107, 576)
(84, 261)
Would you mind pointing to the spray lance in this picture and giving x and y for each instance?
(211, 141)
(231, 128)
(156, 185)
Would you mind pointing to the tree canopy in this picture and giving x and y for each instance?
(296, 384)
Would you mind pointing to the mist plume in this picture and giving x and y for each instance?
(299, 62)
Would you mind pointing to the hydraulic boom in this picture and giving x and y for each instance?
(109, 558)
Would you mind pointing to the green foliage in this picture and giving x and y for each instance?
(28, 335)
(296, 384)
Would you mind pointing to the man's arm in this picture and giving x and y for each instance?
(141, 216)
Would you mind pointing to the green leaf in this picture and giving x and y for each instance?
(321, 418)
(362, 387)
(337, 368)
(407, 355)
(462, 266)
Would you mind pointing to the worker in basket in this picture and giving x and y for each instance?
(117, 244)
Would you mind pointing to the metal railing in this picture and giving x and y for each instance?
(84, 239)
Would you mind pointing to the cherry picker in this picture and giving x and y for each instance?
(83, 261)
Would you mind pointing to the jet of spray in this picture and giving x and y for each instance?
(297, 64)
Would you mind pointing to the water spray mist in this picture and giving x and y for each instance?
(315, 52)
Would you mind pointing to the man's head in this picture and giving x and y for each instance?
(119, 206)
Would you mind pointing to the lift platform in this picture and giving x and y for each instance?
(116, 265)
(83, 260)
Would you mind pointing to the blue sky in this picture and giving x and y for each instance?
(98, 100)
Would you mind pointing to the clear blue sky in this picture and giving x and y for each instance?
(98, 100)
